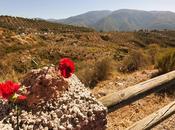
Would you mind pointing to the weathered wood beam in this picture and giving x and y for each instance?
(130, 92)
(154, 118)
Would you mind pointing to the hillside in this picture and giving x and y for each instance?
(124, 20)
(23, 49)
(88, 19)
(22, 52)
(37, 25)
(105, 62)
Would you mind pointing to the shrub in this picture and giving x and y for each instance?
(105, 37)
(21, 67)
(166, 61)
(152, 51)
(90, 76)
(134, 61)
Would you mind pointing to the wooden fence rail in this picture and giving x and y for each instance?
(130, 92)
(154, 118)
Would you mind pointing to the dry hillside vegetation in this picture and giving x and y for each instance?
(105, 62)
(37, 25)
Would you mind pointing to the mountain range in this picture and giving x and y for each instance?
(122, 20)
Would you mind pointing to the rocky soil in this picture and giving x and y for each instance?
(67, 104)
(120, 119)
(70, 105)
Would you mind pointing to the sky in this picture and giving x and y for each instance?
(65, 8)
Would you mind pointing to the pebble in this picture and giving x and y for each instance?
(59, 113)
(61, 128)
(120, 84)
(69, 127)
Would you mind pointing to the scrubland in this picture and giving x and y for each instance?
(105, 62)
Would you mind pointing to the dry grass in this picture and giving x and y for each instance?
(16, 56)
(152, 51)
(93, 74)
(135, 60)
(166, 61)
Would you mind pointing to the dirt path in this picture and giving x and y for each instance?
(127, 115)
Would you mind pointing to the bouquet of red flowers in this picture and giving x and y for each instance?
(9, 91)
(14, 93)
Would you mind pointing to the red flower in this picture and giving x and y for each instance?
(8, 88)
(66, 67)
(21, 98)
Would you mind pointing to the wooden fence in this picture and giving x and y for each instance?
(152, 85)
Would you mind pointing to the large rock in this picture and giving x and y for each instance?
(55, 103)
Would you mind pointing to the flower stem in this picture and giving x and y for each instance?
(48, 69)
(17, 117)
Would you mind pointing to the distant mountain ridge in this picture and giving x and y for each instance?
(123, 20)
(86, 19)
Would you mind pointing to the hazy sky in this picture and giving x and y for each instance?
(65, 8)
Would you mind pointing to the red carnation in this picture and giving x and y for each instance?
(0, 92)
(66, 67)
(8, 88)
(21, 98)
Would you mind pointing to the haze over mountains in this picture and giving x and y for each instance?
(122, 20)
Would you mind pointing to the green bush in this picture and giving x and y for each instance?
(134, 61)
(166, 61)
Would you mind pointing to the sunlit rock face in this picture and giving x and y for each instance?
(55, 103)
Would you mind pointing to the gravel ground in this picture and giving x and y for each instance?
(124, 117)
(71, 106)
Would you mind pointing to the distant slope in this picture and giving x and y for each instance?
(37, 25)
(86, 20)
(124, 20)
(129, 20)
